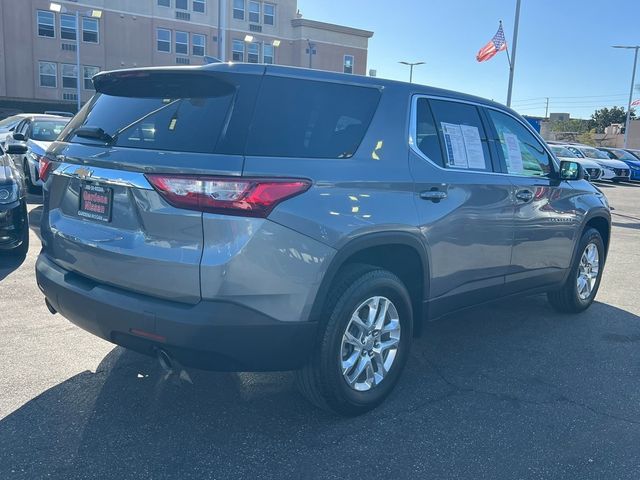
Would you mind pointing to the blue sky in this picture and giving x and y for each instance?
(564, 47)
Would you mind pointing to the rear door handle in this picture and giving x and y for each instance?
(524, 195)
(433, 195)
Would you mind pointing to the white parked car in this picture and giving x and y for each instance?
(593, 168)
(614, 170)
(38, 131)
(8, 125)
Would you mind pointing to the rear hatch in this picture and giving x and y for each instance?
(103, 219)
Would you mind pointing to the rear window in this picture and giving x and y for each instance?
(169, 112)
(309, 119)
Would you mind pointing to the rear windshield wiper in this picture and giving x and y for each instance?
(93, 132)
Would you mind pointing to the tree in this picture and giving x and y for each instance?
(604, 117)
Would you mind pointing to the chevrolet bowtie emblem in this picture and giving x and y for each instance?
(83, 172)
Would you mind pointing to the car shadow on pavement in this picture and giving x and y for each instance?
(512, 390)
(9, 263)
(35, 216)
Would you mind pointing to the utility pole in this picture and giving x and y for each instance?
(546, 110)
(411, 65)
(633, 79)
(311, 47)
(512, 64)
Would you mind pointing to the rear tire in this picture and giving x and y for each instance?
(31, 188)
(573, 296)
(362, 291)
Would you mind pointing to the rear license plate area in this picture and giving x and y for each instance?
(95, 202)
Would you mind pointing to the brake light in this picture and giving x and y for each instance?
(44, 167)
(250, 197)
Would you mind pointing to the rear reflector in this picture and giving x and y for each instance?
(44, 166)
(250, 197)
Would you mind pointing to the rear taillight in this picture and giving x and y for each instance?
(44, 167)
(250, 197)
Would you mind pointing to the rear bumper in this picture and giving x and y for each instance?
(13, 222)
(209, 335)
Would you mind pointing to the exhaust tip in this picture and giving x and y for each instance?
(165, 360)
(50, 307)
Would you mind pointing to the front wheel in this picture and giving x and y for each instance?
(362, 345)
(581, 287)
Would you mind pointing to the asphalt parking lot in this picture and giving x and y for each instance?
(511, 390)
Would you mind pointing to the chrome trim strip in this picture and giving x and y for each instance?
(413, 124)
(108, 176)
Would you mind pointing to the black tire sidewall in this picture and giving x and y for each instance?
(391, 288)
(590, 236)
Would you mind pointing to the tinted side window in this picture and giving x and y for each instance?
(426, 132)
(522, 152)
(462, 134)
(309, 119)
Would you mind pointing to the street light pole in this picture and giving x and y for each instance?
(633, 79)
(512, 63)
(78, 88)
(411, 65)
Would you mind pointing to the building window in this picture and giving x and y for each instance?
(164, 3)
(254, 12)
(69, 76)
(253, 53)
(46, 24)
(90, 30)
(267, 53)
(182, 4)
(87, 74)
(348, 64)
(198, 43)
(238, 51)
(269, 14)
(238, 9)
(48, 74)
(163, 37)
(182, 43)
(199, 6)
(68, 27)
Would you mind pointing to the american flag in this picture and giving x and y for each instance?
(635, 103)
(495, 45)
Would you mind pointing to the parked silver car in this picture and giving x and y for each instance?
(251, 217)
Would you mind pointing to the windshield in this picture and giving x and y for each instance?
(594, 153)
(47, 130)
(10, 122)
(563, 152)
(624, 155)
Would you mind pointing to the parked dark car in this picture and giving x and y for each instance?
(14, 223)
(251, 217)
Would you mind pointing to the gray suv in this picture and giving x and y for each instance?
(251, 218)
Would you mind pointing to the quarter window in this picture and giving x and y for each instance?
(253, 53)
(48, 74)
(164, 40)
(198, 44)
(182, 43)
(267, 53)
(269, 14)
(238, 51)
(521, 151)
(308, 119)
(46, 24)
(462, 135)
(254, 12)
(68, 27)
(238, 9)
(90, 30)
(199, 6)
(348, 64)
(87, 74)
(426, 134)
(69, 76)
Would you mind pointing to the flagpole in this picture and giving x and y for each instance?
(512, 63)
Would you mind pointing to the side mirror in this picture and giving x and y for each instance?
(17, 148)
(571, 170)
(19, 137)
